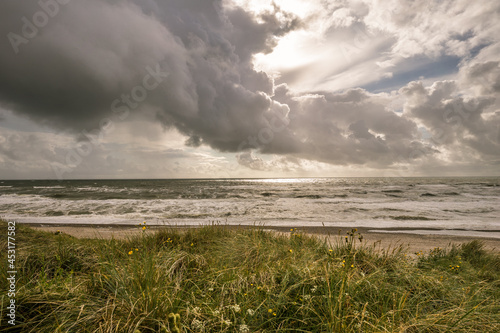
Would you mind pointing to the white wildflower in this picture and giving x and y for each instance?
(244, 329)
(236, 308)
(197, 325)
(216, 313)
(250, 312)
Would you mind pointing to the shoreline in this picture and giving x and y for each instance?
(381, 239)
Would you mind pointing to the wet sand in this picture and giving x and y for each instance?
(380, 239)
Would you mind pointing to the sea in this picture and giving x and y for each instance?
(453, 206)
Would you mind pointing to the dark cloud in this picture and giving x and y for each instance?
(87, 55)
(250, 161)
(92, 54)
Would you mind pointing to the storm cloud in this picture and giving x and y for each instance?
(94, 53)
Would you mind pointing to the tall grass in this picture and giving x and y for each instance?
(220, 279)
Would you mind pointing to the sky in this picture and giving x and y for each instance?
(231, 88)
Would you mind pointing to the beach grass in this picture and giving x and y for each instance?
(220, 279)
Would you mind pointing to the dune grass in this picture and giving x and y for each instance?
(221, 279)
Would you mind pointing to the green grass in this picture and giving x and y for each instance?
(221, 279)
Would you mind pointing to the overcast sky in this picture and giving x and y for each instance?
(199, 88)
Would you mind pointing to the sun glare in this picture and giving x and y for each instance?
(294, 49)
(282, 180)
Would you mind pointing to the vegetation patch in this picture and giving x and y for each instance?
(220, 279)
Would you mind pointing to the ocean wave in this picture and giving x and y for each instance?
(187, 215)
(91, 188)
(54, 213)
(79, 212)
(326, 201)
(471, 210)
(393, 195)
(49, 187)
(309, 196)
(392, 210)
(355, 209)
(412, 218)
(358, 192)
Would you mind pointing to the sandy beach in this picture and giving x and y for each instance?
(380, 240)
